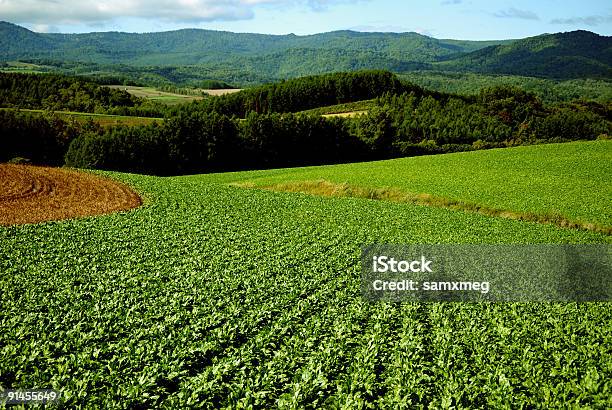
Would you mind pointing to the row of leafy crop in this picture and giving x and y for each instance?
(214, 296)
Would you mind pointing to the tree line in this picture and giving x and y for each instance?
(406, 124)
(197, 142)
(304, 93)
(405, 120)
(41, 139)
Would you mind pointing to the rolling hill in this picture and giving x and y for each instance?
(246, 58)
(562, 55)
(196, 46)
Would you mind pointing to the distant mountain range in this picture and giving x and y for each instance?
(578, 54)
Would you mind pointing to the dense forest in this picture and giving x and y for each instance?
(197, 46)
(549, 91)
(262, 128)
(306, 92)
(56, 92)
(39, 139)
(179, 79)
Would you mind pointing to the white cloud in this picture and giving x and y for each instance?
(388, 28)
(517, 14)
(384, 28)
(587, 20)
(322, 5)
(44, 28)
(424, 31)
(96, 11)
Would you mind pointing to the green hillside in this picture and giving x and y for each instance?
(549, 90)
(562, 55)
(247, 58)
(196, 46)
(573, 180)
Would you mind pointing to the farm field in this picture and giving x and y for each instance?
(152, 93)
(169, 98)
(105, 120)
(21, 67)
(572, 180)
(30, 194)
(212, 295)
(220, 91)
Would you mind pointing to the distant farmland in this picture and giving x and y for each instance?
(169, 98)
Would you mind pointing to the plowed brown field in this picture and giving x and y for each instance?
(30, 194)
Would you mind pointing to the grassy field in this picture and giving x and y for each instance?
(219, 91)
(152, 93)
(104, 120)
(213, 295)
(169, 98)
(21, 67)
(573, 180)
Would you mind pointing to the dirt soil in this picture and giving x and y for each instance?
(30, 194)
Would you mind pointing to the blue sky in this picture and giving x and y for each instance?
(460, 19)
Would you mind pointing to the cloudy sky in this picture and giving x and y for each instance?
(461, 19)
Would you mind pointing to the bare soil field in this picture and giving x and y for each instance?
(221, 91)
(30, 194)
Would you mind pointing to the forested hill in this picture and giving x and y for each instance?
(251, 58)
(562, 55)
(196, 46)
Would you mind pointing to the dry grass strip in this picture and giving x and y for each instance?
(326, 188)
(30, 194)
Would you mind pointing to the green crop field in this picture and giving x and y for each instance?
(212, 295)
(572, 180)
(154, 94)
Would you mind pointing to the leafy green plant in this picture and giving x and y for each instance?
(214, 296)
